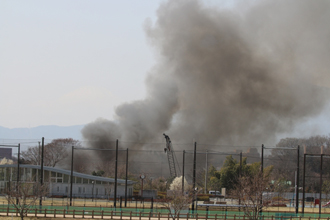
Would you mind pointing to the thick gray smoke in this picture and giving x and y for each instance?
(232, 76)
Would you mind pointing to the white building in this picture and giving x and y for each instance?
(58, 180)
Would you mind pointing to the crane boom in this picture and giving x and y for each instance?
(170, 156)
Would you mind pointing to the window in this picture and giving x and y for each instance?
(97, 191)
(66, 189)
(79, 189)
(78, 180)
(58, 189)
(2, 174)
(66, 179)
(83, 189)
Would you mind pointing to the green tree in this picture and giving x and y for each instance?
(214, 179)
(230, 171)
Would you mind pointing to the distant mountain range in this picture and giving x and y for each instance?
(47, 131)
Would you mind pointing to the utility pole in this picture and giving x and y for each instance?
(297, 182)
(41, 166)
(18, 168)
(183, 162)
(194, 176)
(71, 177)
(262, 175)
(116, 167)
(206, 171)
(126, 178)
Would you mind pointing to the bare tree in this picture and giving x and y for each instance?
(249, 189)
(24, 195)
(176, 201)
(54, 152)
(57, 150)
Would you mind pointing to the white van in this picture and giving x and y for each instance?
(216, 193)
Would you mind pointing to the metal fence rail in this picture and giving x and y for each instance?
(79, 212)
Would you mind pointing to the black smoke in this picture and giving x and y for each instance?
(236, 76)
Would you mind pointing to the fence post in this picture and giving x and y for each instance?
(130, 215)
(35, 213)
(73, 213)
(225, 215)
(55, 213)
(102, 214)
(159, 216)
(216, 215)
(234, 217)
(63, 213)
(121, 215)
(188, 215)
(111, 214)
(149, 215)
(7, 210)
(92, 213)
(196, 216)
(45, 212)
(168, 216)
(140, 215)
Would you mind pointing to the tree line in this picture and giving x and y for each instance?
(282, 161)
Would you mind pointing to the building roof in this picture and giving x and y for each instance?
(68, 172)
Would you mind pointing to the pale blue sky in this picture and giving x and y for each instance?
(70, 62)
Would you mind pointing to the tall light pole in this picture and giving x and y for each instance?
(93, 191)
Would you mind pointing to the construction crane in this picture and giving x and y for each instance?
(170, 156)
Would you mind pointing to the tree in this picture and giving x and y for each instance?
(283, 159)
(23, 196)
(326, 188)
(214, 177)
(98, 173)
(176, 201)
(158, 184)
(54, 152)
(177, 184)
(249, 189)
(229, 173)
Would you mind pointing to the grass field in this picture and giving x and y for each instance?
(87, 205)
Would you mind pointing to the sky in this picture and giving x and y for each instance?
(71, 62)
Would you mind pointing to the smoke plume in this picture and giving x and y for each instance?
(238, 75)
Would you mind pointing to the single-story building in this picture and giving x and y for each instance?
(58, 180)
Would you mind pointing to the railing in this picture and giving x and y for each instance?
(78, 213)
